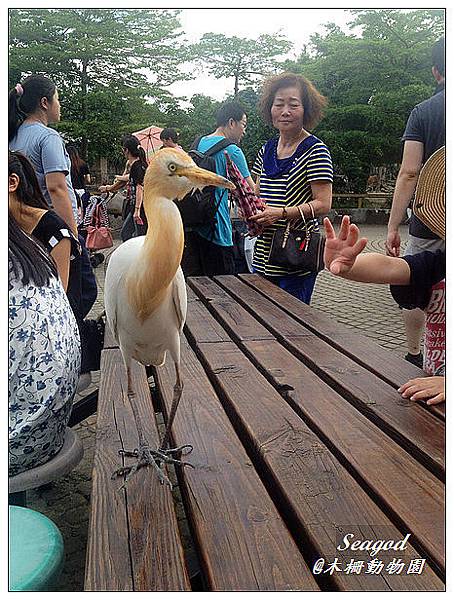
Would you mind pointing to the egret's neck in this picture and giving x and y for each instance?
(160, 256)
(165, 236)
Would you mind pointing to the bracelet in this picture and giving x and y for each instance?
(284, 213)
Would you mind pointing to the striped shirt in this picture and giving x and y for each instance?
(289, 189)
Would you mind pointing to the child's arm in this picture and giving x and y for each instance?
(343, 257)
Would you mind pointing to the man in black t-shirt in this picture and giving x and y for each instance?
(424, 134)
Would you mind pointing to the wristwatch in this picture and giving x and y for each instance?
(284, 212)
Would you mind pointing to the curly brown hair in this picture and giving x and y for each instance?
(313, 101)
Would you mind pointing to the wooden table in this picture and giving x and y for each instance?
(300, 438)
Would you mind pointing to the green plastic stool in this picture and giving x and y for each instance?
(36, 551)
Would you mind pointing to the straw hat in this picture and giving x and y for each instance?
(429, 204)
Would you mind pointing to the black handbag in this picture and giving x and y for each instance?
(298, 249)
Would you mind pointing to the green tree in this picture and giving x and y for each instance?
(98, 54)
(244, 59)
(372, 79)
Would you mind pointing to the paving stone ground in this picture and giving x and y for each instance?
(366, 308)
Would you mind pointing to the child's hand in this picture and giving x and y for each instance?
(431, 389)
(341, 252)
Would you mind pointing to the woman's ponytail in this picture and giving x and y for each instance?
(15, 115)
(132, 144)
(142, 157)
(25, 98)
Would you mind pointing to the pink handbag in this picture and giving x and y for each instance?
(98, 236)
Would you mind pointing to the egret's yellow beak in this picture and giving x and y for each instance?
(201, 177)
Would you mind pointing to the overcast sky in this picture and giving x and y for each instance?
(296, 24)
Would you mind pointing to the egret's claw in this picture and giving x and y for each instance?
(185, 449)
(133, 453)
(147, 457)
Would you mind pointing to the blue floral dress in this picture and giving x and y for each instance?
(44, 364)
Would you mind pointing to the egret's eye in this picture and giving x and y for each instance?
(172, 167)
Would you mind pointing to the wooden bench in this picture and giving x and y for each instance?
(300, 438)
(133, 540)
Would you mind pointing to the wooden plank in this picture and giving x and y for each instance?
(367, 353)
(397, 479)
(109, 340)
(108, 566)
(415, 429)
(215, 295)
(242, 542)
(406, 489)
(207, 332)
(378, 360)
(408, 423)
(235, 316)
(133, 534)
(309, 484)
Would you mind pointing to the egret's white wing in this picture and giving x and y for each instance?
(179, 297)
(119, 265)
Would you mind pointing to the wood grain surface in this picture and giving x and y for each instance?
(398, 480)
(299, 437)
(133, 540)
(242, 541)
(378, 360)
(419, 432)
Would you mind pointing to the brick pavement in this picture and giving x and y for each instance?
(367, 308)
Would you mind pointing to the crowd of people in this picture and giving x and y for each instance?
(51, 281)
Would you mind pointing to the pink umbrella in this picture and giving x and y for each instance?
(149, 139)
(247, 201)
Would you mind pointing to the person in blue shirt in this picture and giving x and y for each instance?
(34, 105)
(209, 250)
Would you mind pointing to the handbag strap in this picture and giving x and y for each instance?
(316, 223)
(300, 210)
(96, 216)
(313, 218)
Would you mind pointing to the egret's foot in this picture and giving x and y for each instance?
(147, 457)
(178, 451)
(173, 455)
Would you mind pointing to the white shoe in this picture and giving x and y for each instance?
(84, 382)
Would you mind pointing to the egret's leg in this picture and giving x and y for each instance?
(144, 454)
(177, 393)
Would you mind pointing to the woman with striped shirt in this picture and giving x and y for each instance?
(294, 173)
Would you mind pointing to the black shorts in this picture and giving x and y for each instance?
(202, 257)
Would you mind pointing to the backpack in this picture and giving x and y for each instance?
(200, 207)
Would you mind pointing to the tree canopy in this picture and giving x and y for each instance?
(113, 68)
(105, 62)
(244, 60)
(372, 80)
